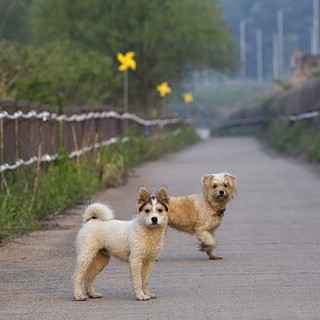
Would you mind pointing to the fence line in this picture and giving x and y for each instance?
(248, 121)
(45, 116)
(31, 132)
(304, 116)
(50, 158)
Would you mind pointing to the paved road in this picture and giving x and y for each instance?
(270, 241)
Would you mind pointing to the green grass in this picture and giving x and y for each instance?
(299, 139)
(30, 194)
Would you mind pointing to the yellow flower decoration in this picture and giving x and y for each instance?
(187, 97)
(126, 61)
(163, 88)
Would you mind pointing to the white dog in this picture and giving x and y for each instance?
(137, 241)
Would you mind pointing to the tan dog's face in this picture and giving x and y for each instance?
(153, 209)
(219, 187)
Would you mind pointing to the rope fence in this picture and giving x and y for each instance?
(304, 116)
(29, 134)
(50, 158)
(45, 116)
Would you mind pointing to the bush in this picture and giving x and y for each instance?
(299, 139)
(56, 74)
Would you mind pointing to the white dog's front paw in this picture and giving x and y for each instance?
(152, 295)
(80, 297)
(143, 297)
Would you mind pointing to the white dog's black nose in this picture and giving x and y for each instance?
(154, 220)
(221, 192)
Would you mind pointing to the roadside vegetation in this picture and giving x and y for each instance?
(298, 140)
(30, 194)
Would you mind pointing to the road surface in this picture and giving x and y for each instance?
(270, 241)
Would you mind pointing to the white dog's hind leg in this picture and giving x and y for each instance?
(84, 262)
(146, 269)
(207, 244)
(98, 264)
(136, 278)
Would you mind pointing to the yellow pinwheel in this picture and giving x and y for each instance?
(126, 61)
(163, 88)
(187, 97)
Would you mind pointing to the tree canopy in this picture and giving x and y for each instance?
(171, 38)
(55, 73)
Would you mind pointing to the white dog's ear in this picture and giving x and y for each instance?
(143, 194)
(163, 194)
(206, 178)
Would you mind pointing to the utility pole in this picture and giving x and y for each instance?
(243, 49)
(259, 57)
(280, 42)
(275, 57)
(315, 28)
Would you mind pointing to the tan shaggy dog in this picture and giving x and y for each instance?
(202, 214)
(137, 241)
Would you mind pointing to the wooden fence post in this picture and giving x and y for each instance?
(89, 129)
(49, 131)
(9, 134)
(34, 146)
(72, 132)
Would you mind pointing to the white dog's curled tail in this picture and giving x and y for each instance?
(97, 211)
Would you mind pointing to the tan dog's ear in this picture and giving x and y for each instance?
(230, 175)
(163, 194)
(233, 182)
(143, 195)
(206, 178)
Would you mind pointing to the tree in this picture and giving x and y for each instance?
(170, 37)
(13, 19)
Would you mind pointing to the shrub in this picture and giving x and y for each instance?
(299, 139)
(56, 74)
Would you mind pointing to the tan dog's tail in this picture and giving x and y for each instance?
(98, 211)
